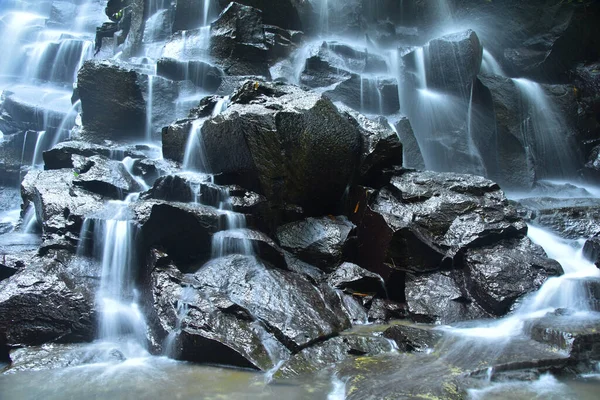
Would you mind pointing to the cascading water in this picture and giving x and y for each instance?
(547, 134)
(111, 239)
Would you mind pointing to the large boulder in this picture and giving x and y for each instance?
(292, 146)
(191, 14)
(112, 100)
(452, 236)
(238, 41)
(241, 312)
(103, 176)
(452, 62)
(499, 274)
(48, 301)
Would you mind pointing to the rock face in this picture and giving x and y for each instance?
(112, 100)
(591, 250)
(442, 230)
(285, 13)
(271, 131)
(237, 307)
(238, 42)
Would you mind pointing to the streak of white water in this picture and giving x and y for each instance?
(565, 291)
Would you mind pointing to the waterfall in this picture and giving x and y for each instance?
(545, 131)
(113, 241)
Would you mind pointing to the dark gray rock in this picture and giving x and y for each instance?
(441, 298)
(189, 14)
(591, 250)
(183, 188)
(413, 338)
(499, 274)
(47, 301)
(576, 335)
(332, 351)
(203, 75)
(175, 138)
(285, 13)
(297, 312)
(452, 62)
(60, 206)
(351, 278)
(103, 176)
(412, 156)
(320, 242)
(238, 42)
(292, 146)
(569, 218)
(112, 100)
(60, 156)
(242, 313)
(264, 247)
(381, 146)
(383, 310)
(421, 220)
(184, 230)
(57, 356)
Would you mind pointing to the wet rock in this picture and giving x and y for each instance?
(203, 75)
(203, 328)
(175, 138)
(6, 272)
(294, 145)
(381, 146)
(60, 156)
(498, 275)
(351, 278)
(452, 62)
(569, 218)
(238, 42)
(60, 206)
(332, 351)
(189, 14)
(441, 298)
(105, 177)
(297, 312)
(47, 302)
(591, 250)
(182, 188)
(243, 313)
(298, 266)
(421, 220)
(58, 356)
(367, 94)
(566, 35)
(412, 338)
(184, 230)
(112, 100)
(280, 42)
(36, 109)
(321, 242)
(264, 247)
(577, 335)
(333, 62)
(285, 13)
(384, 310)
(412, 156)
